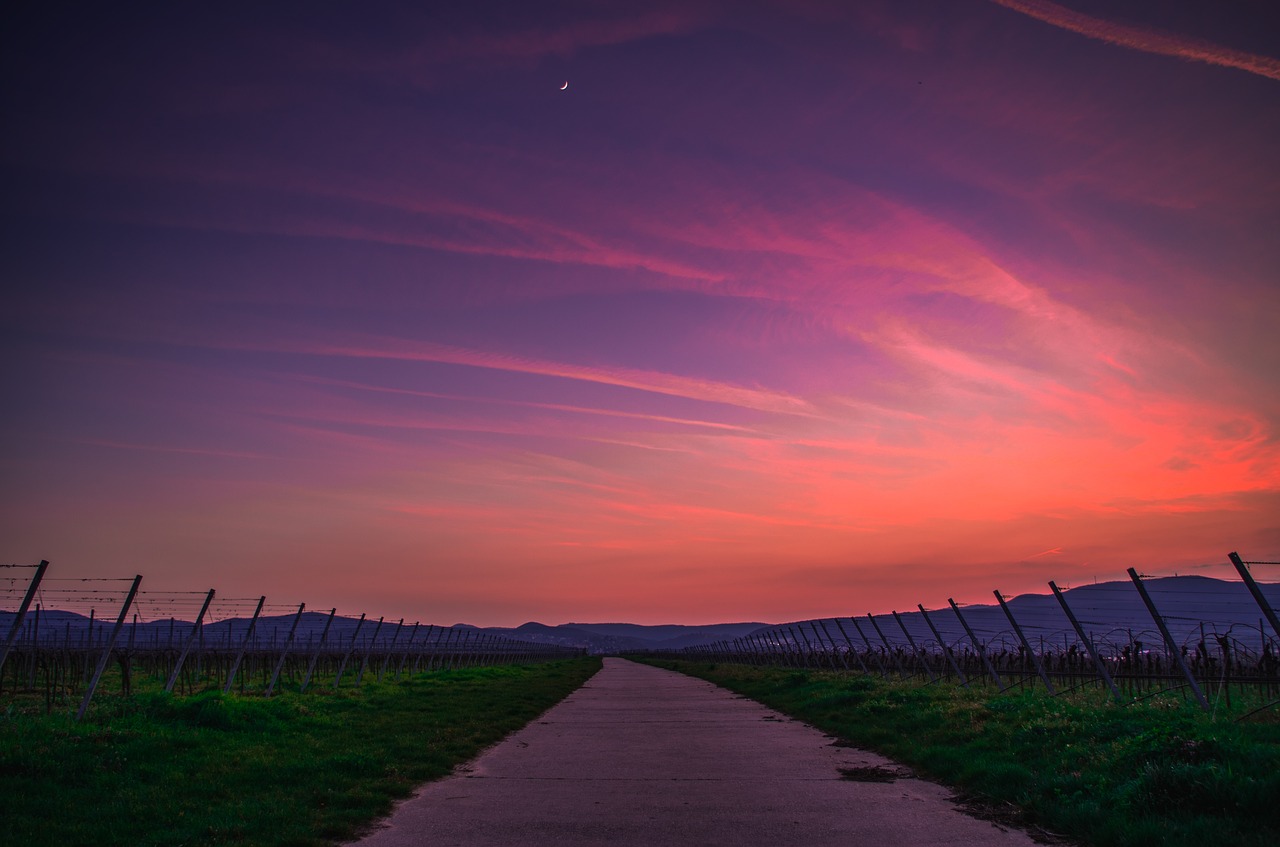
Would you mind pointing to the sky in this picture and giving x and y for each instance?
(776, 311)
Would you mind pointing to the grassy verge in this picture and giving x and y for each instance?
(293, 770)
(1154, 773)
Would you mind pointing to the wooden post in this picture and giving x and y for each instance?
(1269, 612)
(1026, 645)
(315, 657)
(284, 652)
(111, 643)
(1168, 639)
(973, 639)
(1088, 642)
(244, 645)
(186, 648)
(946, 651)
(914, 649)
(342, 666)
(16, 627)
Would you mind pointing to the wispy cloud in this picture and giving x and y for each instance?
(1146, 40)
(693, 388)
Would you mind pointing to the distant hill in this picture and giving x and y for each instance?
(1109, 611)
(622, 637)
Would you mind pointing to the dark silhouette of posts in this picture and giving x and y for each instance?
(22, 611)
(1088, 642)
(946, 651)
(364, 663)
(315, 656)
(244, 645)
(888, 649)
(390, 649)
(1026, 645)
(919, 655)
(1174, 652)
(1253, 589)
(346, 657)
(111, 643)
(870, 651)
(973, 639)
(835, 648)
(191, 640)
(288, 642)
(849, 643)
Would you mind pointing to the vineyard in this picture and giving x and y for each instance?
(64, 639)
(1202, 638)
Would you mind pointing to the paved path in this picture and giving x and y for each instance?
(642, 756)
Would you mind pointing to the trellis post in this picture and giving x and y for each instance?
(1088, 642)
(111, 643)
(1168, 639)
(186, 648)
(315, 656)
(1026, 645)
(22, 610)
(244, 645)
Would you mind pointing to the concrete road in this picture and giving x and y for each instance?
(642, 756)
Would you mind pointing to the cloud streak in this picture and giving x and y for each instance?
(1145, 40)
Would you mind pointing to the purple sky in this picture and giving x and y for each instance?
(778, 310)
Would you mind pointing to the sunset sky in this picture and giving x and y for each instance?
(779, 310)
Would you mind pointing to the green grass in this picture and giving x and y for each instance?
(293, 770)
(1159, 772)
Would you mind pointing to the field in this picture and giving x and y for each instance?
(209, 769)
(1157, 772)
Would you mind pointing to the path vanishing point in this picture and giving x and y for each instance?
(644, 756)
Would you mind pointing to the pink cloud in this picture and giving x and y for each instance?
(1146, 40)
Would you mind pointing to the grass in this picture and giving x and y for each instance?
(210, 769)
(1160, 772)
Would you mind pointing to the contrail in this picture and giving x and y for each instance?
(1148, 41)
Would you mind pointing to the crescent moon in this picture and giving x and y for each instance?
(566, 85)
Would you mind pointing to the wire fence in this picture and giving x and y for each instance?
(63, 637)
(1201, 636)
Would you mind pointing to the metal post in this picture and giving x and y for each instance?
(315, 657)
(111, 643)
(342, 666)
(1088, 642)
(823, 644)
(407, 648)
(22, 611)
(422, 651)
(914, 649)
(855, 653)
(834, 648)
(884, 672)
(1256, 592)
(1168, 639)
(946, 651)
(973, 639)
(364, 663)
(887, 648)
(284, 652)
(390, 649)
(1026, 645)
(244, 645)
(186, 648)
